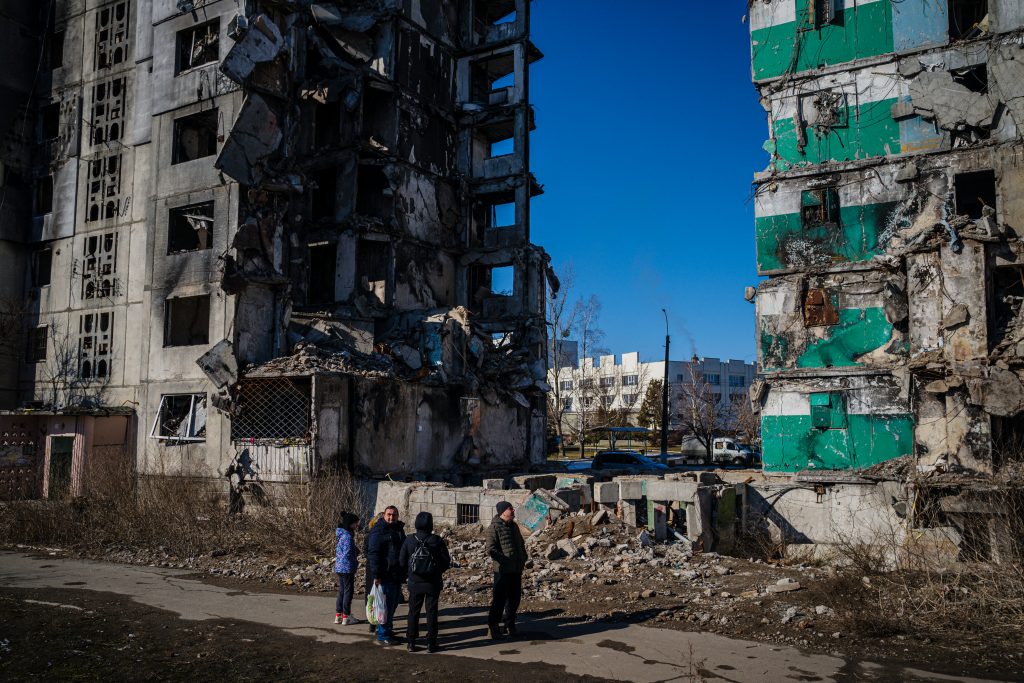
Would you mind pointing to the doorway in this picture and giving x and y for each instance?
(61, 448)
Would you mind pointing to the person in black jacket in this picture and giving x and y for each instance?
(425, 558)
(382, 563)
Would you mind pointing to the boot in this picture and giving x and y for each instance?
(511, 630)
(432, 647)
(495, 632)
(411, 647)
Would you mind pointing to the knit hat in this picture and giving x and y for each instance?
(502, 506)
(425, 522)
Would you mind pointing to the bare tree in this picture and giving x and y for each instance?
(62, 376)
(747, 423)
(701, 411)
(561, 321)
(590, 336)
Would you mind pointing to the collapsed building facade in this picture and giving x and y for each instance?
(276, 238)
(888, 225)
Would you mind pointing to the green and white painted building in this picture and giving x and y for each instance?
(887, 223)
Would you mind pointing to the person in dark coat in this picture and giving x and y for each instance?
(424, 587)
(383, 548)
(505, 546)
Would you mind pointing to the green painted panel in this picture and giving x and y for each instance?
(790, 443)
(782, 242)
(856, 33)
(859, 331)
(870, 132)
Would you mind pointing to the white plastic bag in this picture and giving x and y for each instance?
(376, 606)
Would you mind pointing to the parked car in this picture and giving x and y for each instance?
(626, 460)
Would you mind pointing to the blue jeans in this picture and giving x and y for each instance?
(391, 596)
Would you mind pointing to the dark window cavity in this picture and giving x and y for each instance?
(322, 269)
(44, 195)
(195, 137)
(187, 321)
(819, 207)
(964, 17)
(35, 351)
(190, 228)
(197, 45)
(42, 260)
(975, 194)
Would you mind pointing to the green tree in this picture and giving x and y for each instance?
(650, 409)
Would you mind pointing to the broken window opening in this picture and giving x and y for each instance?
(1007, 440)
(190, 228)
(327, 124)
(467, 513)
(373, 266)
(180, 417)
(197, 46)
(1006, 303)
(272, 409)
(819, 310)
(819, 207)
(503, 280)
(491, 12)
(502, 148)
(35, 350)
(380, 115)
(54, 50)
(975, 194)
(323, 194)
(502, 215)
(320, 287)
(974, 78)
(43, 200)
(490, 78)
(49, 122)
(195, 137)
(965, 17)
(501, 339)
(373, 191)
(187, 321)
(42, 264)
(813, 14)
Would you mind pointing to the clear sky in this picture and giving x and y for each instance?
(648, 135)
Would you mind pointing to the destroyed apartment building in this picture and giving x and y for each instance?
(273, 237)
(888, 223)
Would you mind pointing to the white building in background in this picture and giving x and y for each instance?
(616, 385)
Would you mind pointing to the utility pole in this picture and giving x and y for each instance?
(664, 398)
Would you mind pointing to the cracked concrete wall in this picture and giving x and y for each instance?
(887, 222)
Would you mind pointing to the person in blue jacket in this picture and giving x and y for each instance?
(346, 562)
(383, 565)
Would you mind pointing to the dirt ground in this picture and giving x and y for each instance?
(74, 635)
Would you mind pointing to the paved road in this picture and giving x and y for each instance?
(617, 651)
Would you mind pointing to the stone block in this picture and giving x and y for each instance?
(606, 492)
(671, 490)
(443, 496)
(631, 489)
(572, 498)
(494, 484)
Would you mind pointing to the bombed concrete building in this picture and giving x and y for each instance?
(888, 225)
(274, 237)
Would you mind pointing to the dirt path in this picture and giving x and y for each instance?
(71, 603)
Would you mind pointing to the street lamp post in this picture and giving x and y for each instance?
(664, 398)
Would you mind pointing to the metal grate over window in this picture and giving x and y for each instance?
(467, 513)
(272, 409)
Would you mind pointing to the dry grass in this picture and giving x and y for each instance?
(183, 515)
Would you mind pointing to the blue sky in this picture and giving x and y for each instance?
(648, 135)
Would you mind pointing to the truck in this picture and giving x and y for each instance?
(725, 450)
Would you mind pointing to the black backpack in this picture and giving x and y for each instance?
(421, 562)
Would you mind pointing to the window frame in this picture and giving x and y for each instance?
(191, 418)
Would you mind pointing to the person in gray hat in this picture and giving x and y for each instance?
(506, 548)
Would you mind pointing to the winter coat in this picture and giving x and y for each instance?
(346, 555)
(382, 549)
(506, 547)
(438, 549)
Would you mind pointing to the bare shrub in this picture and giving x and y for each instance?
(304, 516)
